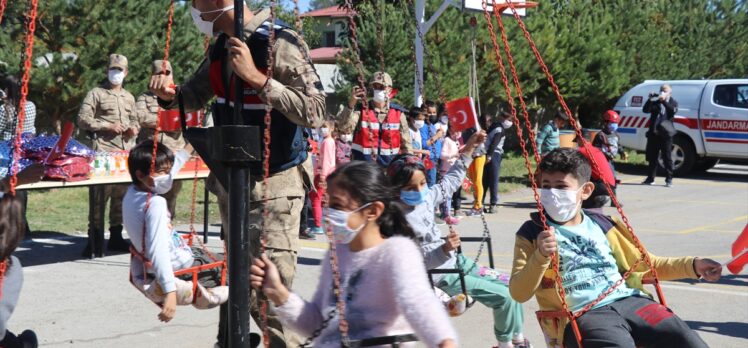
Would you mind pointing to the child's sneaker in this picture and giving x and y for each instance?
(451, 220)
(28, 339)
(474, 212)
(318, 230)
(306, 234)
(525, 343)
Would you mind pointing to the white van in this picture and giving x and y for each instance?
(712, 121)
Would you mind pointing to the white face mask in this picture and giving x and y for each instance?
(561, 205)
(324, 131)
(116, 77)
(419, 124)
(347, 138)
(338, 220)
(506, 124)
(379, 96)
(162, 184)
(444, 120)
(206, 27)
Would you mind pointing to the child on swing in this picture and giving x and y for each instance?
(594, 250)
(382, 276)
(164, 247)
(483, 284)
(12, 228)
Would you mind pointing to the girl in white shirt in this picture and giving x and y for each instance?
(382, 275)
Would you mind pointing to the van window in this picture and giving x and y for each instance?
(687, 96)
(735, 96)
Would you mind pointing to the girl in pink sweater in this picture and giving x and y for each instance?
(325, 166)
(383, 279)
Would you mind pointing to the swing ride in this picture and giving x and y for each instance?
(231, 146)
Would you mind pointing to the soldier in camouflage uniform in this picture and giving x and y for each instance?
(298, 101)
(108, 117)
(147, 112)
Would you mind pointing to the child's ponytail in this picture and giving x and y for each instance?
(11, 225)
(392, 222)
(365, 182)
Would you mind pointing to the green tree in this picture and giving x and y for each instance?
(320, 4)
(86, 32)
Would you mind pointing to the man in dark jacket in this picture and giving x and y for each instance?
(662, 109)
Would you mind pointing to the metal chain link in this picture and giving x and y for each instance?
(263, 301)
(330, 316)
(24, 93)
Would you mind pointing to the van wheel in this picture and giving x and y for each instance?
(683, 155)
(705, 164)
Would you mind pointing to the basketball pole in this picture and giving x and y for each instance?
(420, 13)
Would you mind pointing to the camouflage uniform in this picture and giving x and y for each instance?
(296, 92)
(102, 107)
(147, 109)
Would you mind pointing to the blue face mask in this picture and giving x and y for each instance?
(613, 127)
(414, 198)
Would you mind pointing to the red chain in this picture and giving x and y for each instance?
(24, 92)
(156, 131)
(555, 260)
(266, 165)
(3, 4)
(645, 255)
(3, 268)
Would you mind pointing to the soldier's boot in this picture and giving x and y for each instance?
(116, 242)
(92, 244)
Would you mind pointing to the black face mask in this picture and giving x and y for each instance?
(433, 119)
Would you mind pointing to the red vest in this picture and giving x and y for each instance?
(378, 138)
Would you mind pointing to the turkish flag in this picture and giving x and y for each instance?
(461, 113)
(739, 253)
(62, 143)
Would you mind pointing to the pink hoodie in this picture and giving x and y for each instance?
(450, 153)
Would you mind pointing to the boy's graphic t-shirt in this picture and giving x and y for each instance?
(587, 265)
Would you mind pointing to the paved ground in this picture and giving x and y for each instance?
(77, 303)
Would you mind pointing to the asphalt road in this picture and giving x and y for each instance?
(82, 303)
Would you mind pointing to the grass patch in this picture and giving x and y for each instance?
(514, 172)
(66, 210)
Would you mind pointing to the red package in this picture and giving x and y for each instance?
(68, 168)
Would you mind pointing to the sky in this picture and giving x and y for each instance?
(303, 4)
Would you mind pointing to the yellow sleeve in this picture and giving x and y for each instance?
(626, 254)
(528, 268)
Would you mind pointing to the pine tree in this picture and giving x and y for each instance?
(86, 32)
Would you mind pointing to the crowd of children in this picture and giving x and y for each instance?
(382, 221)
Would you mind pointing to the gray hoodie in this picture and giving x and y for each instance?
(421, 217)
(11, 290)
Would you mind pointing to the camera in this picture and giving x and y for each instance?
(653, 96)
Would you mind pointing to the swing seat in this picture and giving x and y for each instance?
(459, 272)
(556, 316)
(393, 341)
(193, 272)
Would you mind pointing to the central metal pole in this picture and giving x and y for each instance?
(238, 234)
